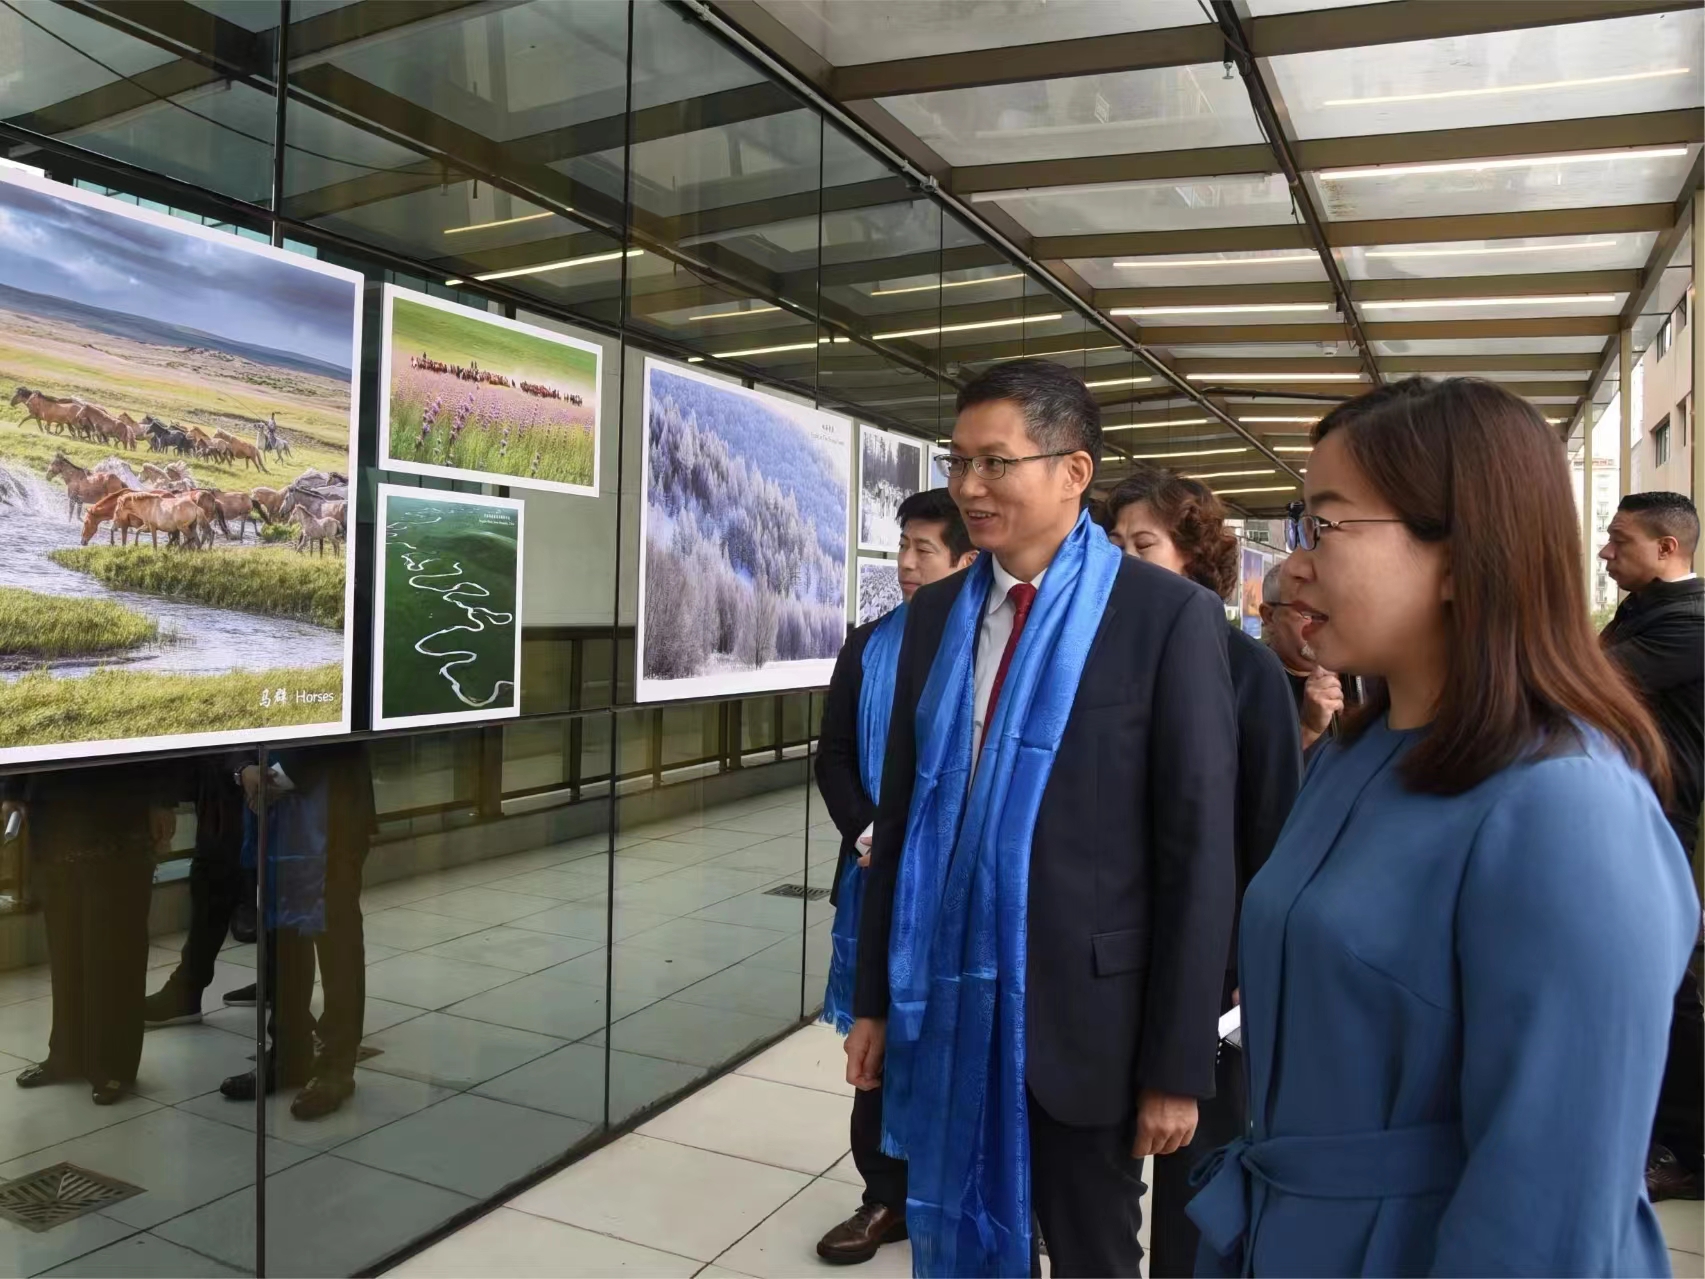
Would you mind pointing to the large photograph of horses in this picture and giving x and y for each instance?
(174, 493)
(743, 536)
(466, 395)
(447, 619)
(888, 469)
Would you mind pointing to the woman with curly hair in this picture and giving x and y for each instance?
(1179, 525)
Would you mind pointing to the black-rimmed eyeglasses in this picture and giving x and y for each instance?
(1302, 531)
(988, 466)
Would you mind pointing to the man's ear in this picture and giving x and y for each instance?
(965, 560)
(1668, 547)
(1080, 473)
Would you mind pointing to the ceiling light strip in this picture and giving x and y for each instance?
(1253, 308)
(1537, 299)
(1159, 264)
(1511, 162)
(564, 265)
(966, 328)
(1498, 251)
(486, 226)
(1536, 86)
(945, 284)
(1274, 377)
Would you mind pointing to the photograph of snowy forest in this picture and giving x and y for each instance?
(878, 588)
(887, 475)
(744, 533)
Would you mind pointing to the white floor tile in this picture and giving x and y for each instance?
(143, 1255)
(180, 1062)
(1687, 1265)
(455, 1052)
(721, 1272)
(786, 1243)
(507, 1244)
(25, 1027)
(1683, 1221)
(24, 1252)
(33, 1119)
(814, 1057)
(781, 856)
(570, 1081)
(748, 988)
(759, 910)
(517, 949)
(405, 928)
(772, 822)
(485, 905)
(708, 938)
(663, 1195)
(24, 983)
(541, 1003)
(379, 1099)
(430, 981)
(473, 1145)
(770, 1123)
(558, 885)
(715, 839)
(694, 1035)
(845, 1172)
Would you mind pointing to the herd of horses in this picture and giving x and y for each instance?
(472, 372)
(167, 500)
(67, 415)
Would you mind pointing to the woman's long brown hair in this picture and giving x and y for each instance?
(1470, 465)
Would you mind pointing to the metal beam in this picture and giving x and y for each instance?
(1562, 362)
(1348, 28)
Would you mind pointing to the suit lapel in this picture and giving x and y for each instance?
(1328, 798)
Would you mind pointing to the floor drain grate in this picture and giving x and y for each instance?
(56, 1195)
(797, 890)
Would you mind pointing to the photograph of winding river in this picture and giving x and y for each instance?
(447, 629)
(173, 480)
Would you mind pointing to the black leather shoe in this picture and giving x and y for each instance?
(1667, 1179)
(174, 1004)
(243, 1088)
(108, 1093)
(44, 1073)
(242, 997)
(857, 1238)
(322, 1095)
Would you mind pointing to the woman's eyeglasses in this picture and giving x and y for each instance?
(1302, 531)
(988, 466)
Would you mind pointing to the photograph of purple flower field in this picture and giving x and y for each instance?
(468, 395)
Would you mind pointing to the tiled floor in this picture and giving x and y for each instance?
(486, 992)
(742, 1178)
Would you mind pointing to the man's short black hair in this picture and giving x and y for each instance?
(937, 506)
(1060, 413)
(1666, 515)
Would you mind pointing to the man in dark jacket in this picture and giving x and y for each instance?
(1658, 638)
(933, 545)
(1131, 875)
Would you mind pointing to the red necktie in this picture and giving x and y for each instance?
(1022, 595)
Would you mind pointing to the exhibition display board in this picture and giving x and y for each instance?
(174, 483)
(467, 395)
(743, 539)
(888, 471)
(447, 607)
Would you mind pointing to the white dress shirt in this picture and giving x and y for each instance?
(998, 615)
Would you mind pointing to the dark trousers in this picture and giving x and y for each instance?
(1087, 1191)
(215, 887)
(884, 1176)
(342, 955)
(97, 950)
(1172, 1235)
(1681, 1103)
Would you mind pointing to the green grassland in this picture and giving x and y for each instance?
(278, 583)
(454, 339)
(62, 359)
(51, 626)
(115, 703)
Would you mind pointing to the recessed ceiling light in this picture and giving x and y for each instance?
(945, 284)
(1275, 488)
(1230, 475)
(1512, 162)
(1161, 457)
(1156, 264)
(1118, 381)
(964, 328)
(484, 226)
(1491, 252)
(1306, 420)
(1543, 299)
(1536, 86)
(1274, 377)
(1240, 309)
(1155, 426)
(1294, 448)
(735, 315)
(563, 265)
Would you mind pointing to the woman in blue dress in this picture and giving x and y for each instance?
(1458, 963)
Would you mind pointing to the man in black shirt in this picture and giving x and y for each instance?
(1658, 638)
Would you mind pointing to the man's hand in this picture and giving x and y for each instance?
(1165, 1123)
(864, 1053)
(1322, 698)
(162, 827)
(864, 858)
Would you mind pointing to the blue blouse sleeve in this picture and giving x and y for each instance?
(1575, 920)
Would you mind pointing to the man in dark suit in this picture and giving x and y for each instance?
(1658, 638)
(933, 545)
(1131, 869)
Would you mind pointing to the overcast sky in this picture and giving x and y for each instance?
(88, 255)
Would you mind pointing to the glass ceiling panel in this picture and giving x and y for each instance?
(1164, 109)
(853, 31)
(732, 164)
(1615, 67)
(1268, 266)
(1260, 350)
(1632, 177)
(262, 15)
(49, 54)
(1516, 256)
(1267, 8)
(1260, 200)
(1490, 346)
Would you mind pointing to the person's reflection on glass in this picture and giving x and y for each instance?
(216, 886)
(319, 804)
(92, 837)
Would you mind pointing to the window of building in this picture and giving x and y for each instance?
(1660, 441)
(1662, 342)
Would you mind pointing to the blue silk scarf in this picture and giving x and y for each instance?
(875, 706)
(954, 1094)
